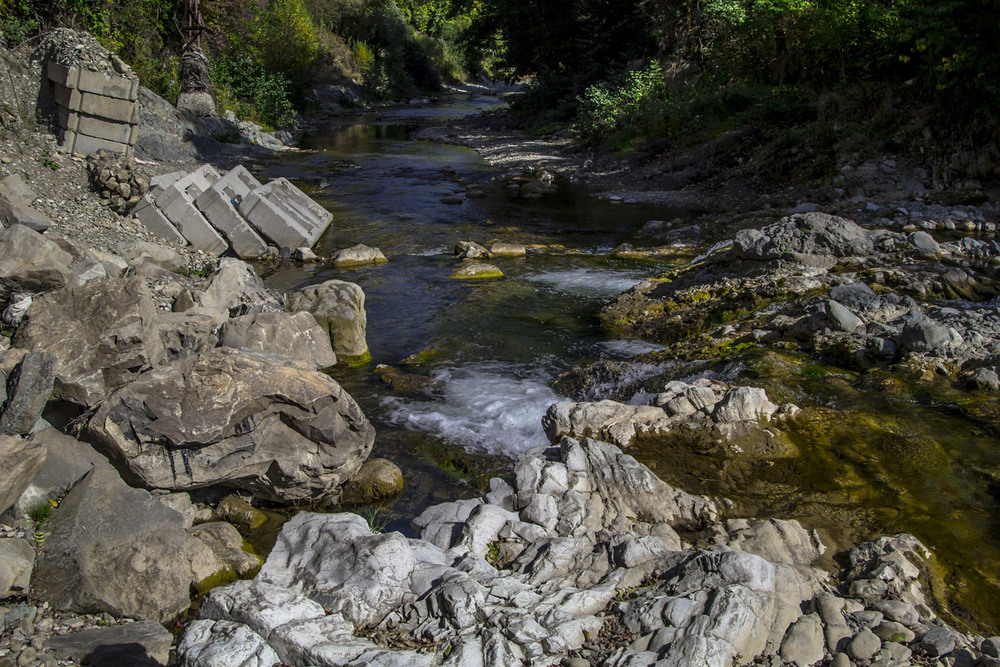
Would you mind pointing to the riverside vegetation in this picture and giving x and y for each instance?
(845, 321)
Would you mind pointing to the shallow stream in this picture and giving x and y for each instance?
(489, 349)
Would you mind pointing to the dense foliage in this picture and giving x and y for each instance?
(267, 53)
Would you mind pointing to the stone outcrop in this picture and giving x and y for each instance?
(237, 420)
(294, 337)
(234, 289)
(579, 557)
(704, 404)
(31, 263)
(339, 308)
(102, 334)
(112, 548)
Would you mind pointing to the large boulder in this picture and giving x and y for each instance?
(803, 235)
(295, 337)
(17, 558)
(234, 289)
(238, 420)
(19, 460)
(65, 462)
(15, 205)
(143, 643)
(339, 308)
(31, 263)
(28, 388)
(102, 334)
(115, 549)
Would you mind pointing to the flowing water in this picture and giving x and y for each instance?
(484, 352)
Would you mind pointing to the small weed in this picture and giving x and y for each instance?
(377, 522)
(41, 512)
(196, 272)
(51, 164)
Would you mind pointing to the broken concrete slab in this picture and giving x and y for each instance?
(285, 214)
(219, 202)
(150, 216)
(193, 226)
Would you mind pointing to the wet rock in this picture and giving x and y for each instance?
(375, 480)
(476, 271)
(471, 250)
(234, 420)
(500, 249)
(925, 244)
(294, 337)
(237, 511)
(141, 643)
(304, 254)
(339, 309)
(358, 255)
(803, 643)
(227, 545)
(607, 420)
(17, 558)
(103, 334)
(141, 564)
(20, 460)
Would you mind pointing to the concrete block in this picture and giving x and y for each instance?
(97, 127)
(223, 215)
(161, 182)
(81, 144)
(88, 81)
(285, 214)
(155, 221)
(190, 186)
(192, 224)
(236, 184)
(108, 108)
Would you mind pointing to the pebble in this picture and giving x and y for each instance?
(938, 641)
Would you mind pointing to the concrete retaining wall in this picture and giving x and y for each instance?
(96, 111)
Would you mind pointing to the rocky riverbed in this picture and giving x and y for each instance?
(154, 395)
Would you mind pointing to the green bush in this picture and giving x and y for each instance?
(251, 92)
(624, 107)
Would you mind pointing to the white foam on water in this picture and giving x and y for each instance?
(586, 282)
(629, 348)
(430, 252)
(490, 407)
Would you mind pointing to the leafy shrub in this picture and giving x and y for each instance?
(624, 106)
(245, 87)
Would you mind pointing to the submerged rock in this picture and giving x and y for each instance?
(235, 420)
(476, 271)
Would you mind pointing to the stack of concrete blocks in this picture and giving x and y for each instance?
(214, 212)
(96, 110)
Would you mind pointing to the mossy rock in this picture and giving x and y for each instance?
(376, 480)
(477, 271)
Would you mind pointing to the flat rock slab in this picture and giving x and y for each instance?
(141, 643)
(237, 420)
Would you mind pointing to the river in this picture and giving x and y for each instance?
(488, 350)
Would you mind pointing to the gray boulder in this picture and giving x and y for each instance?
(804, 644)
(295, 337)
(19, 460)
(234, 289)
(28, 389)
(65, 462)
(15, 205)
(31, 263)
(357, 255)
(339, 308)
(842, 318)
(141, 564)
(922, 334)
(142, 643)
(103, 334)
(224, 644)
(17, 558)
(744, 404)
(236, 420)
(187, 334)
(801, 235)
(471, 250)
